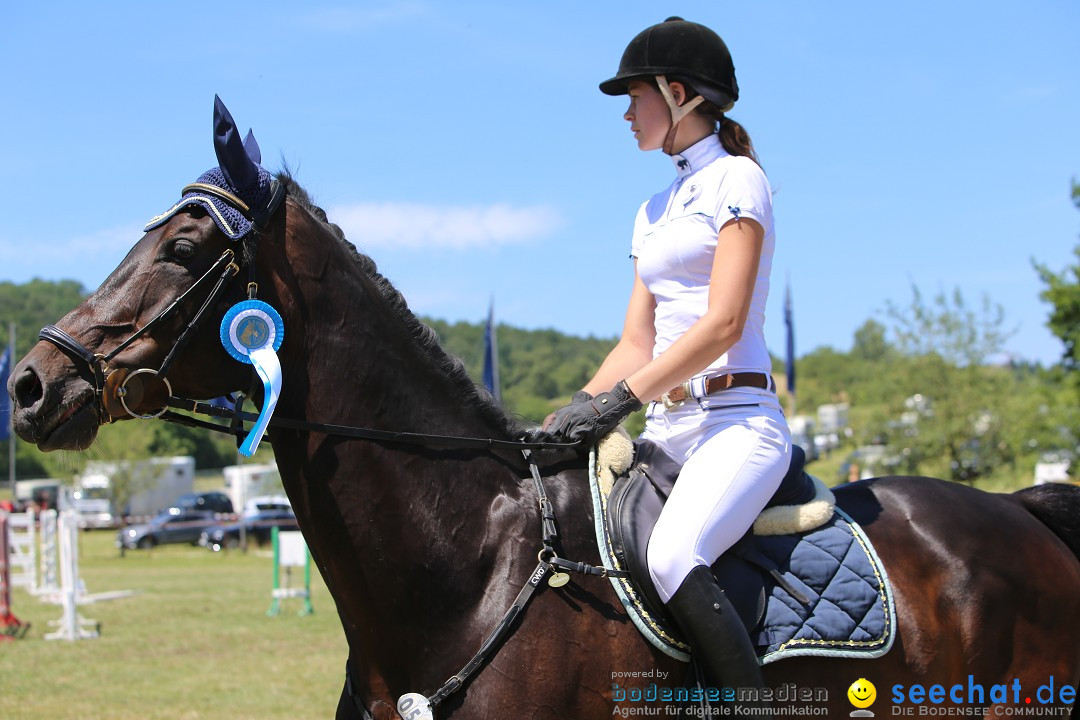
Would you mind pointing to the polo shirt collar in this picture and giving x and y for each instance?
(698, 155)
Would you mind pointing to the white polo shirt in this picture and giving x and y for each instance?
(675, 236)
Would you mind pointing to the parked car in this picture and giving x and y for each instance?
(212, 501)
(258, 528)
(264, 503)
(170, 526)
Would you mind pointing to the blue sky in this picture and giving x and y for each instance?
(466, 148)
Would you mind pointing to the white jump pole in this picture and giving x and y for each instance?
(47, 554)
(70, 623)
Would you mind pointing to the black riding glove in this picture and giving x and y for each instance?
(590, 420)
(579, 397)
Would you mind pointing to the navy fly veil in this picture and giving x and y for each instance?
(239, 174)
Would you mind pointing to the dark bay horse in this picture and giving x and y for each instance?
(424, 548)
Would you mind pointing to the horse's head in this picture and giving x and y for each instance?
(124, 350)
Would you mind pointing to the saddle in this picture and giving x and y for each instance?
(634, 506)
(764, 575)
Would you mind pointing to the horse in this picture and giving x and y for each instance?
(425, 546)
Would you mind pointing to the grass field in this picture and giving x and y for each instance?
(194, 642)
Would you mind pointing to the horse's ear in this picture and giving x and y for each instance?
(239, 169)
(252, 148)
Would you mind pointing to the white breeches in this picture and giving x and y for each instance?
(733, 461)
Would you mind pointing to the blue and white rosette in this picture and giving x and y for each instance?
(251, 332)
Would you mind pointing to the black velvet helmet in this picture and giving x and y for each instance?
(683, 51)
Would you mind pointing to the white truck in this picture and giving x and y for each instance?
(252, 482)
(41, 493)
(148, 485)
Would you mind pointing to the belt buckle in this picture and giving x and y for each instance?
(666, 397)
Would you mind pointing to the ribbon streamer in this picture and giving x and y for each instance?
(267, 366)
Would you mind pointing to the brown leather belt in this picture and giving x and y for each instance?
(718, 383)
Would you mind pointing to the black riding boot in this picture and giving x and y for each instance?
(718, 640)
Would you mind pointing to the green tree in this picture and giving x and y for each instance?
(828, 375)
(870, 343)
(1063, 293)
(949, 404)
(29, 307)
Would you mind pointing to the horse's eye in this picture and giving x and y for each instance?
(183, 249)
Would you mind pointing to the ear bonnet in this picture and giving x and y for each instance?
(239, 194)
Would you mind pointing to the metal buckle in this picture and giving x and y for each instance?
(669, 403)
(118, 387)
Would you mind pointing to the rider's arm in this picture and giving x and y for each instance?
(731, 289)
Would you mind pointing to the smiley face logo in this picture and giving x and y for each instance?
(862, 693)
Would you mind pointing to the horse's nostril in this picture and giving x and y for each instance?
(27, 388)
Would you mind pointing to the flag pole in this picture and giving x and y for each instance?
(789, 369)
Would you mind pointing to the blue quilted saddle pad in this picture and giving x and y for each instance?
(850, 612)
(835, 598)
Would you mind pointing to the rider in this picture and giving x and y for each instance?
(693, 340)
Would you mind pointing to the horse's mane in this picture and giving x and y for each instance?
(427, 338)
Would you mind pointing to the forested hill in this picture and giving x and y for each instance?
(927, 386)
(538, 369)
(33, 305)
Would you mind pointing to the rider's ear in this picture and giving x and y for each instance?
(678, 92)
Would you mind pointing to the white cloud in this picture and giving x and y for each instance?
(416, 226)
(87, 258)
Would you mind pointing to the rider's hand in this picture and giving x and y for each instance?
(579, 397)
(592, 419)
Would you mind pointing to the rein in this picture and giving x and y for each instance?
(356, 433)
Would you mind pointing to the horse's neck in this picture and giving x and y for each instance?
(357, 358)
(405, 536)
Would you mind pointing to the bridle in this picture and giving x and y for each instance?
(144, 393)
(120, 391)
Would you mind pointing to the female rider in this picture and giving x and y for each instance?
(693, 340)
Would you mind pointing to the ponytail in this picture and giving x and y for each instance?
(735, 139)
(733, 136)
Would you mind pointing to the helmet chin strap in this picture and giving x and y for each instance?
(677, 112)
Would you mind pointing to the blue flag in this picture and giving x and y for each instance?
(789, 322)
(5, 400)
(491, 356)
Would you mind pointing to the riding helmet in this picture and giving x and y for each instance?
(684, 51)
